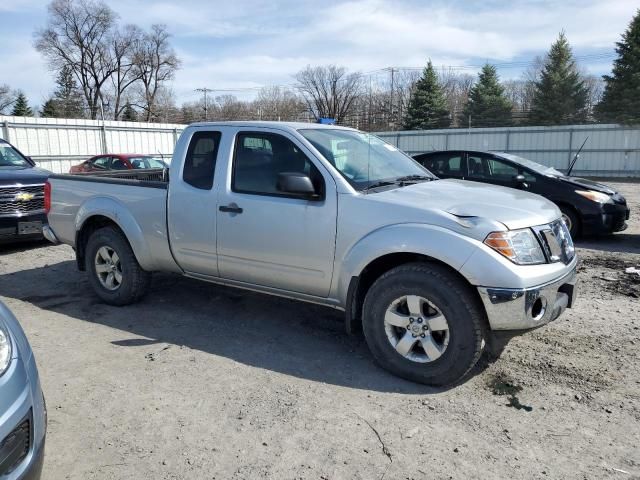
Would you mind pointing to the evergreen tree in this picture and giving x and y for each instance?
(488, 106)
(428, 105)
(129, 114)
(560, 95)
(621, 98)
(49, 109)
(68, 97)
(21, 108)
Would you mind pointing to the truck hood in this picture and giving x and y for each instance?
(509, 206)
(23, 175)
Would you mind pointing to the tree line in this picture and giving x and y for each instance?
(124, 73)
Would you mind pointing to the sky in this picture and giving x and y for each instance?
(243, 44)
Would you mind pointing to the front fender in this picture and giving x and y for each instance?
(121, 216)
(439, 243)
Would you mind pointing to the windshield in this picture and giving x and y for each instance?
(9, 157)
(362, 159)
(530, 164)
(146, 162)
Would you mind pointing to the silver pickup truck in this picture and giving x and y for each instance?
(433, 271)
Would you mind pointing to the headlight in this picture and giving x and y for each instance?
(519, 246)
(5, 350)
(595, 196)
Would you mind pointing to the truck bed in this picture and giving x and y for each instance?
(136, 200)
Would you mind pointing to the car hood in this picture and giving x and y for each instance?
(23, 175)
(509, 206)
(588, 184)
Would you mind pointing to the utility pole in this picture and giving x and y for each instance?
(204, 90)
(391, 117)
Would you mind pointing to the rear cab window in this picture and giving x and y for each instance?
(200, 160)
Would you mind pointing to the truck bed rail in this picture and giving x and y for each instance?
(152, 178)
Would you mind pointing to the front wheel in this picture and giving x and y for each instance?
(423, 323)
(571, 220)
(114, 271)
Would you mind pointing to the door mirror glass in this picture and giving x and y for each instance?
(296, 183)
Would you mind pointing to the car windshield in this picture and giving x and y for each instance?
(146, 162)
(530, 164)
(9, 157)
(362, 159)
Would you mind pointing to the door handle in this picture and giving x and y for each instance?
(231, 208)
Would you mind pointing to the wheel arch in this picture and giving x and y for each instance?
(360, 285)
(129, 228)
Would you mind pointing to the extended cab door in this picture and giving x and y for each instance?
(269, 238)
(191, 204)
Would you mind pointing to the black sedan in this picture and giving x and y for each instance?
(21, 196)
(587, 207)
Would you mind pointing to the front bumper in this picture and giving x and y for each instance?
(21, 399)
(526, 308)
(10, 227)
(611, 218)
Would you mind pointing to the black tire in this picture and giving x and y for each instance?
(134, 279)
(449, 294)
(572, 220)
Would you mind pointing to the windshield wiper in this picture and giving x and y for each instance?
(383, 183)
(413, 178)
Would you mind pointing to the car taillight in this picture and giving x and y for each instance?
(47, 197)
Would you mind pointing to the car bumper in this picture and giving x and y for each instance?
(611, 218)
(21, 401)
(12, 228)
(527, 308)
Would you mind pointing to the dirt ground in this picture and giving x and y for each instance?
(205, 382)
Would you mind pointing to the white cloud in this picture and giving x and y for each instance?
(248, 43)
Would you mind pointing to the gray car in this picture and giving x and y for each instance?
(23, 416)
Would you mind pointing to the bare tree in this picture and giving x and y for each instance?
(124, 44)
(595, 89)
(155, 63)
(329, 91)
(7, 98)
(456, 87)
(77, 36)
(278, 103)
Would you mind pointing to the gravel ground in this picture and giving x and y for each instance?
(205, 382)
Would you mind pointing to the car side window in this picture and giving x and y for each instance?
(102, 163)
(446, 164)
(200, 161)
(260, 157)
(501, 170)
(118, 164)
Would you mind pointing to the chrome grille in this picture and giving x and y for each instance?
(556, 242)
(19, 200)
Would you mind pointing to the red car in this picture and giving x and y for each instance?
(118, 161)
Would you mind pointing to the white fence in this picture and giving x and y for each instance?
(56, 143)
(610, 151)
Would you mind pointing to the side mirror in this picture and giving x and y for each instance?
(297, 184)
(521, 181)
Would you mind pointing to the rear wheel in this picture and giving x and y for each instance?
(422, 323)
(114, 272)
(571, 219)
